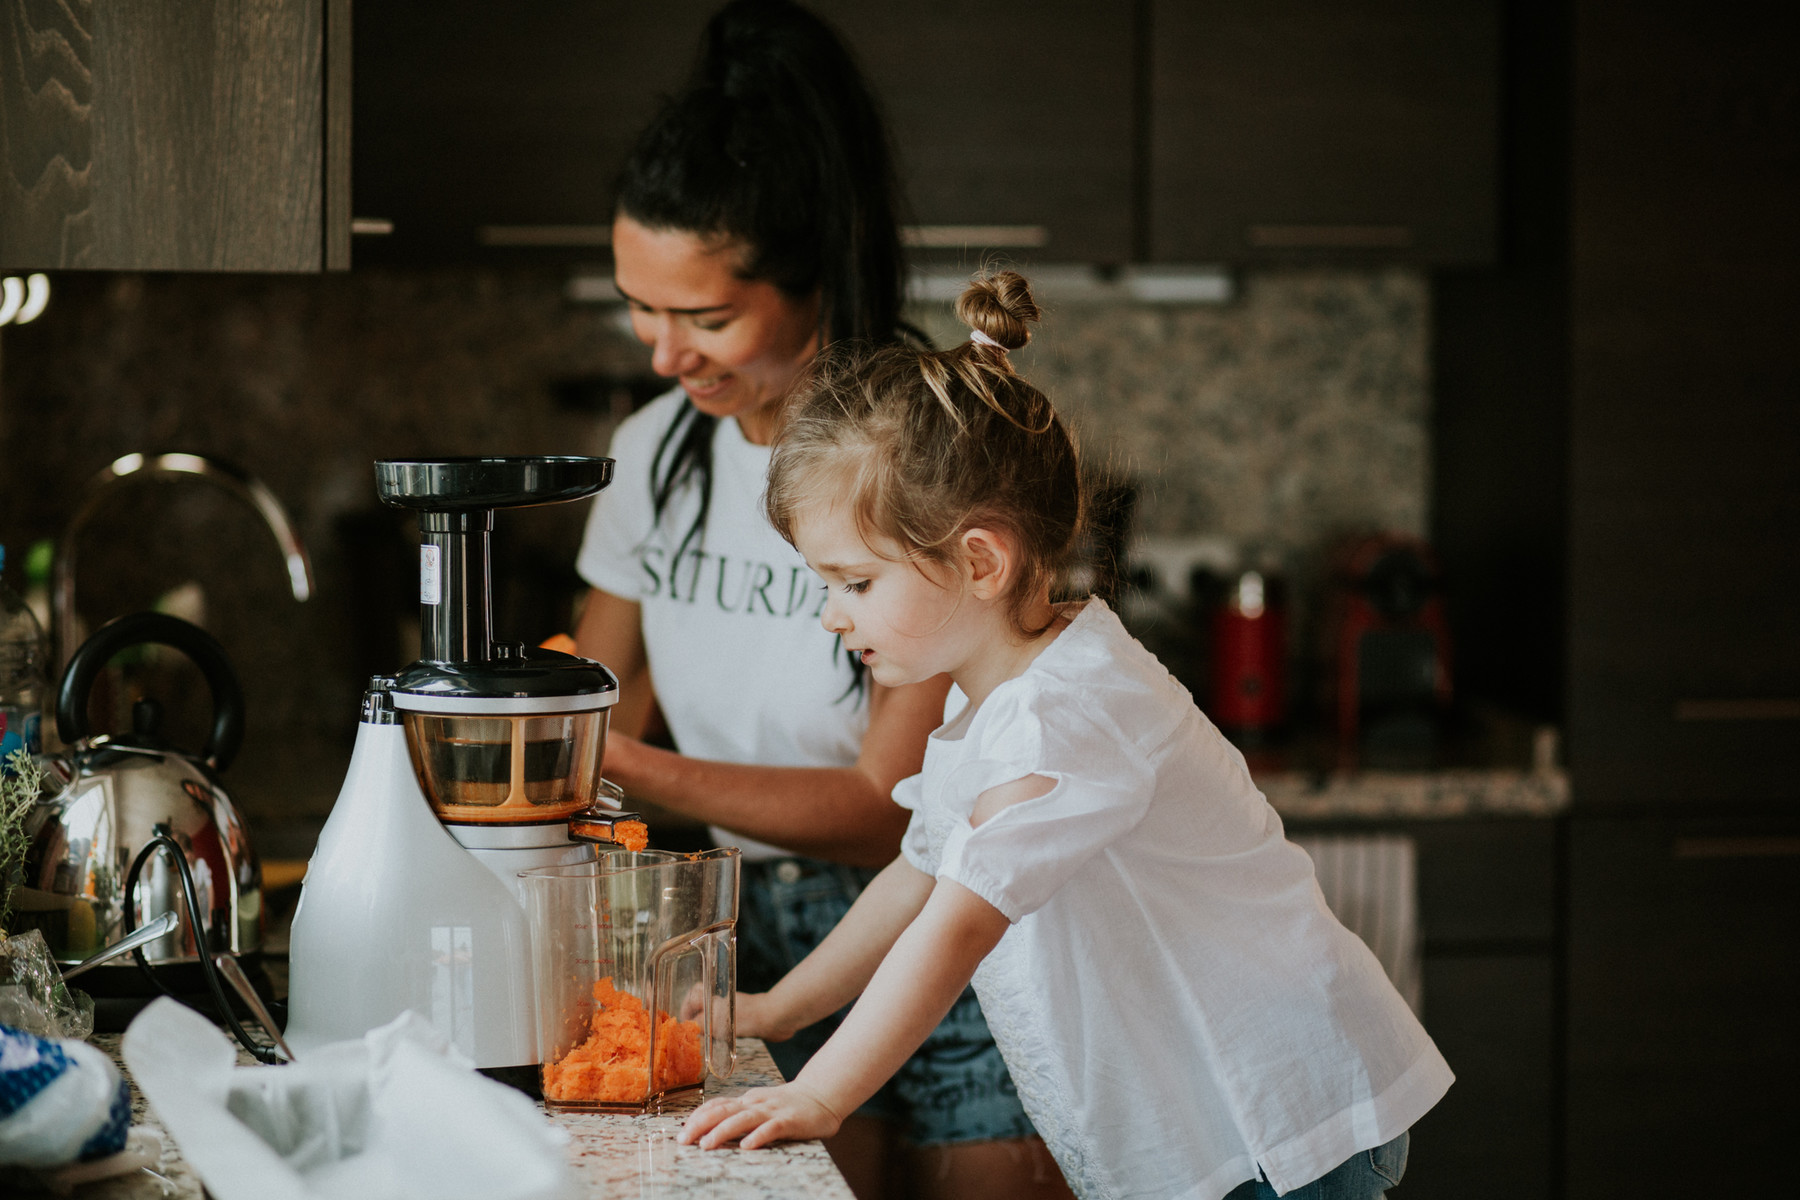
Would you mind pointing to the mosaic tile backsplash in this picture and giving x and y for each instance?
(1296, 412)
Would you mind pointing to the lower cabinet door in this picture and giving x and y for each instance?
(1491, 1137)
(1683, 1007)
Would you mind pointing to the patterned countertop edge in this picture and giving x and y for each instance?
(1417, 795)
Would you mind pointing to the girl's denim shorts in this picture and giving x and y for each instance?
(953, 1089)
(1365, 1175)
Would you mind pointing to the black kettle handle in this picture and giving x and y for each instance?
(136, 629)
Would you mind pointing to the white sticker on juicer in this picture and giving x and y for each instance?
(431, 584)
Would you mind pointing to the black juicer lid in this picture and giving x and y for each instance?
(518, 680)
(473, 484)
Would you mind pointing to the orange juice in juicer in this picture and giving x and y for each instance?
(634, 958)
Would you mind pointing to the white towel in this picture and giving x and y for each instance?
(1371, 884)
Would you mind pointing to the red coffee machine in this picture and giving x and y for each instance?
(1387, 652)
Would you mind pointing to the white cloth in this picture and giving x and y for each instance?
(741, 666)
(395, 1115)
(1176, 1004)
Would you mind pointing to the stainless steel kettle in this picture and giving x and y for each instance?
(116, 789)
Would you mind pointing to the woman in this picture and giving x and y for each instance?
(755, 223)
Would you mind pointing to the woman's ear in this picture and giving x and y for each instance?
(987, 562)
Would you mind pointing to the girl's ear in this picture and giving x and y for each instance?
(987, 562)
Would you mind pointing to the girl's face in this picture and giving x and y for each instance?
(907, 621)
(736, 345)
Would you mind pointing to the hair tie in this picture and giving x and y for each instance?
(982, 339)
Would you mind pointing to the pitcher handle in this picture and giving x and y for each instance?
(725, 940)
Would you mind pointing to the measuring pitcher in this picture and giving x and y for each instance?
(635, 959)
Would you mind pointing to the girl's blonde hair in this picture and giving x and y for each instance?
(924, 445)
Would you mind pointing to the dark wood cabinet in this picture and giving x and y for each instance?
(1684, 1006)
(1684, 647)
(1295, 129)
(1684, 562)
(477, 134)
(210, 135)
(1487, 915)
(1056, 130)
(481, 129)
(1009, 113)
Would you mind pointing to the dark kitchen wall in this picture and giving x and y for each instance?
(303, 382)
(1296, 412)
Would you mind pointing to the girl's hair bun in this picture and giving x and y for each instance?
(999, 305)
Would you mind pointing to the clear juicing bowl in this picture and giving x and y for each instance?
(507, 769)
(635, 962)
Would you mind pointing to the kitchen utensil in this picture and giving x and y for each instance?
(639, 935)
(240, 983)
(117, 789)
(143, 935)
(468, 768)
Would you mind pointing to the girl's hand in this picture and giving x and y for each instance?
(759, 1117)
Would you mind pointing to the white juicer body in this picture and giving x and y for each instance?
(395, 915)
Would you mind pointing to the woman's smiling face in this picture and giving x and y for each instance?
(736, 345)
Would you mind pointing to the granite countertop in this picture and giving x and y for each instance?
(1449, 794)
(612, 1156)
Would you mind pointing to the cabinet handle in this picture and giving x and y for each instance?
(371, 226)
(544, 236)
(1777, 709)
(994, 237)
(1771, 846)
(1329, 237)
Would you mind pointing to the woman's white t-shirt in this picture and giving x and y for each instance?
(742, 668)
(1176, 1004)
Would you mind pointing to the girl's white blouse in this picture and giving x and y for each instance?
(1176, 1004)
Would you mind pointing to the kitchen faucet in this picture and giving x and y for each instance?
(154, 466)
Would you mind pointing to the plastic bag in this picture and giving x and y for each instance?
(394, 1115)
(33, 996)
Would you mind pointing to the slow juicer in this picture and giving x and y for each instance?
(470, 765)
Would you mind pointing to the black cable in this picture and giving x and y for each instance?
(162, 839)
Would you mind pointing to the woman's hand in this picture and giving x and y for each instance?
(789, 1113)
(758, 1016)
(624, 762)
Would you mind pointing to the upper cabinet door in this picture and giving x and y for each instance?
(1010, 114)
(480, 127)
(206, 135)
(483, 126)
(1313, 129)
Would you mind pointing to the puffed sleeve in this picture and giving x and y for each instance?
(1018, 858)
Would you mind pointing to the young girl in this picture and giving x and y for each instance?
(1179, 1010)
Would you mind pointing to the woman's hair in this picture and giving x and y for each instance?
(925, 445)
(777, 144)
